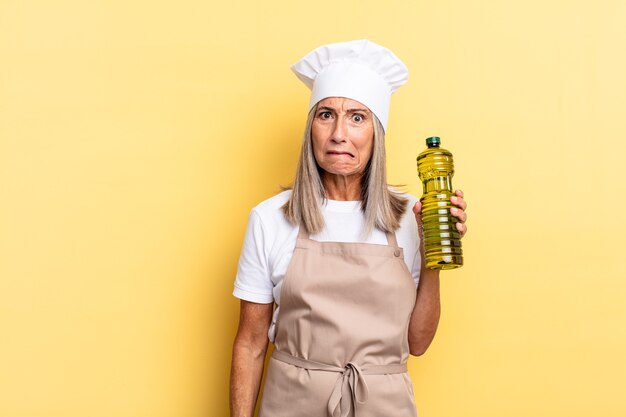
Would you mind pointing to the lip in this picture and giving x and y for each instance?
(340, 153)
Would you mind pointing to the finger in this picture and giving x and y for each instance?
(458, 201)
(459, 193)
(458, 213)
(462, 228)
(417, 208)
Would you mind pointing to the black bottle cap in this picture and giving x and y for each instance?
(433, 142)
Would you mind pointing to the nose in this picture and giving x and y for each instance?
(339, 132)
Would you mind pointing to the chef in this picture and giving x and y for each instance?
(339, 257)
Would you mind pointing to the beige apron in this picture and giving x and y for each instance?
(341, 333)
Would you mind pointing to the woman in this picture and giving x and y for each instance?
(339, 257)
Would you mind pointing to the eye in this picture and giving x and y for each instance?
(358, 117)
(325, 115)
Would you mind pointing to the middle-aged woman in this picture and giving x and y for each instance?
(339, 257)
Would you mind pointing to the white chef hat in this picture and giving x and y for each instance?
(360, 70)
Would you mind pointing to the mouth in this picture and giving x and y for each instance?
(340, 153)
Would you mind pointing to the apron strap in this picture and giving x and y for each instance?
(302, 233)
(391, 239)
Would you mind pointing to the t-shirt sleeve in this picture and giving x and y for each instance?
(415, 240)
(417, 265)
(253, 281)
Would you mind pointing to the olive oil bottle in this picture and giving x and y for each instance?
(442, 240)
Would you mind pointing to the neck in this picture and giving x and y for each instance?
(342, 187)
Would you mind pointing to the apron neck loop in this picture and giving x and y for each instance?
(302, 233)
(391, 239)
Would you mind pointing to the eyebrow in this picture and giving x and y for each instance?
(348, 111)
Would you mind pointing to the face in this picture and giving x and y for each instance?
(343, 136)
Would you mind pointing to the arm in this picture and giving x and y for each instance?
(425, 316)
(249, 349)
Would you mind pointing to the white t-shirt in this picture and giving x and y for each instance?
(270, 241)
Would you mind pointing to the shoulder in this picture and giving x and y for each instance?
(408, 218)
(272, 207)
(410, 198)
(269, 212)
(273, 203)
(402, 194)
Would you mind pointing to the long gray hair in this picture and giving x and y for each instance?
(382, 207)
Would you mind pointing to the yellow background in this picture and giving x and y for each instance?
(136, 136)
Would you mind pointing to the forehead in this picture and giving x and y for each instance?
(342, 103)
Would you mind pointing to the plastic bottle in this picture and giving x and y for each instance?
(442, 240)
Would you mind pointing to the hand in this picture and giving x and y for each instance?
(458, 212)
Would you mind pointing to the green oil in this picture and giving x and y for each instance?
(442, 240)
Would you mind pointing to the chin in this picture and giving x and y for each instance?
(344, 172)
